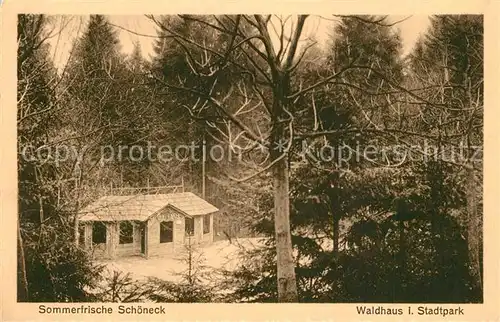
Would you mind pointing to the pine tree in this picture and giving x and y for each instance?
(101, 91)
(179, 127)
(51, 268)
(448, 64)
(142, 122)
(93, 72)
(33, 98)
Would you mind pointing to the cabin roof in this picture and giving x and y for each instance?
(142, 207)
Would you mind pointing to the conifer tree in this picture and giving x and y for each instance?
(51, 268)
(448, 65)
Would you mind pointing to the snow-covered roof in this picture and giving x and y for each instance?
(141, 207)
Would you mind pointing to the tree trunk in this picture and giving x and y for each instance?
(336, 222)
(474, 225)
(76, 222)
(41, 211)
(287, 285)
(474, 231)
(335, 207)
(401, 283)
(22, 290)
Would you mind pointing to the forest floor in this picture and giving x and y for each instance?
(218, 255)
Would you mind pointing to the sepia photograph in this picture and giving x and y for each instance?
(250, 158)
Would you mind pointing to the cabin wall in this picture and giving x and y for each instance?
(208, 238)
(112, 248)
(198, 228)
(134, 248)
(154, 247)
(87, 233)
(199, 237)
(100, 251)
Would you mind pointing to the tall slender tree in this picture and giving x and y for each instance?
(50, 267)
(448, 65)
(266, 57)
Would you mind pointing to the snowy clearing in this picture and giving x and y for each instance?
(220, 254)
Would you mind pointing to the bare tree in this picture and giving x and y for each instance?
(261, 55)
(449, 69)
(265, 51)
(266, 73)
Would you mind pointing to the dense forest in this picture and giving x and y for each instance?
(361, 166)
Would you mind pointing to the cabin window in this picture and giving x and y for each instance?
(126, 232)
(81, 235)
(189, 226)
(98, 233)
(206, 224)
(166, 231)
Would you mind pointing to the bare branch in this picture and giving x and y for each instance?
(321, 82)
(295, 41)
(219, 106)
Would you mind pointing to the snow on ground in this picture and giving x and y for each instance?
(220, 254)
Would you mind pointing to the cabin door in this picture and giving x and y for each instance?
(143, 238)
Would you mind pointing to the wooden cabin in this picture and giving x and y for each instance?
(147, 225)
